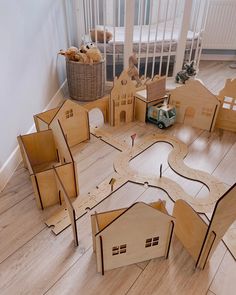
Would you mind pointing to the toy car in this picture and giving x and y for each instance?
(163, 116)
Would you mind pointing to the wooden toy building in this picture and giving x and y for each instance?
(126, 236)
(227, 114)
(195, 105)
(44, 152)
(153, 94)
(73, 118)
(122, 100)
(199, 239)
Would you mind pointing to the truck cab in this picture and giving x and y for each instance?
(163, 116)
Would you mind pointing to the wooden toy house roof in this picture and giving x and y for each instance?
(51, 114)
(196, 88)
(112, 216)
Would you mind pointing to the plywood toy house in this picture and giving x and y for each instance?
(44, 152)
(122, 100)
(226, 118)
(73, 118)
(154, 93)
(126, 236)
(195, 105)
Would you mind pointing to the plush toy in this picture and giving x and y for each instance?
(86, 54)
(133, 70)
(92, 52)
(70, 53)
(100, 35)
(188, 71)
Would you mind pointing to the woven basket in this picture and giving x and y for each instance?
(86, 82)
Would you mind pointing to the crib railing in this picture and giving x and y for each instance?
(163, 33)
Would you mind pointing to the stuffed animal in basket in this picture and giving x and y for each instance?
(70, 53)
(92, 52)
(74, 54)
(133, 70)
(98, 35)
(188, 71)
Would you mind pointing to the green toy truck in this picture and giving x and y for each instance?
(163, 116)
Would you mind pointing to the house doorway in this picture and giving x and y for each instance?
(122, 117)
(96, 118)
(189, 115)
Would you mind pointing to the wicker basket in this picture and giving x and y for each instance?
(85, 82)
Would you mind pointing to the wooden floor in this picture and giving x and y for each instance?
(34, 261)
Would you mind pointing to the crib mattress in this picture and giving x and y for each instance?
(163, 41)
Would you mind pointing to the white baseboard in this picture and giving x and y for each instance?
(10, 165)
(220, 57)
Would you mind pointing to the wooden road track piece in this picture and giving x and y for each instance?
(81, 205)
(124, 174)
(175, 160)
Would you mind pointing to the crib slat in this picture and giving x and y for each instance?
(203, 27)
(104, 39)
(183, 36)
(119, 13)
(163, 37)
(95, 7)
(114, 38)
(149, 28)
(156, 34)
(141, 11)
(129, 24)
(171, 38)
(196, 18)
(90, 16)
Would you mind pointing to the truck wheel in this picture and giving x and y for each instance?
(160, 125)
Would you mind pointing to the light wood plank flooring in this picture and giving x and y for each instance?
(34, 261)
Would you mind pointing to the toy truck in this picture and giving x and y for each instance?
(162, 115)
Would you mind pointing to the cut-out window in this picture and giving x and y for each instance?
(228, 99)
(119, 249)
(130, 101)
(152, 242)
(226, 106)
(123, 102)
(69, 113)
(117, 104)
(207, 111)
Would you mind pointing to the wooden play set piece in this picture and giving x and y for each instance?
(195, 105)
(154, 93)
(226, 118)
(131, 235)
(124, 173)
(41, 152)
(52, 170)
(122, 100)
(175, 160)
(60, 220)
(199, 239)
(69, 206)
(73, 119)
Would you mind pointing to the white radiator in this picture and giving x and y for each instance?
(220, 31)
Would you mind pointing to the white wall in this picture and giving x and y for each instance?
(31, 34)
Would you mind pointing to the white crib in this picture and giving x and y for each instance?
(162, 33)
